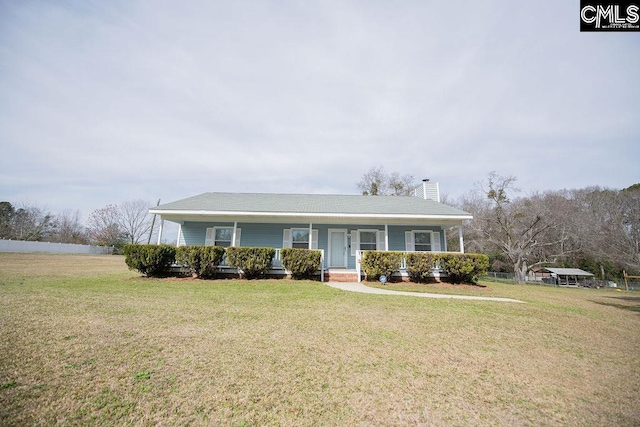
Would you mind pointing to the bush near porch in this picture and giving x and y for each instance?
(378, 263)
(253, 263)
(460, 268)
(302, 263)
(202, 261)
(150, 260)
(464, 268)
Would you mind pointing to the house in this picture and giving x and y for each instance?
(341, 226)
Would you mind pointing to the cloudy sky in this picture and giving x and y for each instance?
(106, 101)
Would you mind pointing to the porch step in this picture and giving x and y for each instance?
(346, 276)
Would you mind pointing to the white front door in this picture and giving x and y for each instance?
(337, 248)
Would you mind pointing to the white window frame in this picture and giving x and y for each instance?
(215, 232)
(375, 243)
(410, 240)
(287, 237)
(299, 243)
(356, 240)
(210, 238)
(429, 235)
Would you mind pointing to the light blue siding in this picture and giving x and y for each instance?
(270, 235)
(396, 235)
(195, 232)
(262, 235)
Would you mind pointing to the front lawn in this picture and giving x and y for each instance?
(84, 341)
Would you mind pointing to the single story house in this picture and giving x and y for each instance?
(341, 226)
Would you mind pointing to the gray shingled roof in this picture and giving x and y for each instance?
(568, 271)
(309, 204)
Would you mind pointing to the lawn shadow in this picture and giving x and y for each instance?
(633, 305)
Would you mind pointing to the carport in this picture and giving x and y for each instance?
(566, 276)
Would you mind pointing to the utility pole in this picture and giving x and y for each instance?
(153, 222)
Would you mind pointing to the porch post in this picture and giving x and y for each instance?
(179, 233)
(235, 230)
(386, 237)
(160, 230)
(461, 239)
(310, 235)
(444, 233)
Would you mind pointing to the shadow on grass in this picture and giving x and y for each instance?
(633, 306)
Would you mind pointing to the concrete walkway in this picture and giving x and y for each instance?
(359, 287)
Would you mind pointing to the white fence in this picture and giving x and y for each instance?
(47, 247)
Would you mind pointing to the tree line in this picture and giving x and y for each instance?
(112, 225)
(595, 229)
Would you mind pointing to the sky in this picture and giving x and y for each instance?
(107, 101)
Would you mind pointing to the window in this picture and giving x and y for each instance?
(368, 240)
(300, 238)
(223, 236)
(422, 241)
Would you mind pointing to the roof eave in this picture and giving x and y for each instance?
(201, 213)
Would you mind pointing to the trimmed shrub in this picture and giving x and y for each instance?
(464, 267)
(150, 260)
(302, 263)
(378, 263)
(252, 263)
(202, 261)
(420, 264)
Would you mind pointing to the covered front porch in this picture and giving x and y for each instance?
(327, 273)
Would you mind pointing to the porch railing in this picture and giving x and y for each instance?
(276, 264)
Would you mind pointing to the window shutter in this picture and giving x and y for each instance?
(435, 241)
(237, 242)
(408, 241)
(209, 237)
(380, 241)
(286, 238)
(354, 242)
(314, 241)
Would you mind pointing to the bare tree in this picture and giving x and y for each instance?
(514, 227)
(376, 182)
(135, 220)
(629, 201)
(104, 227)
(68, 228)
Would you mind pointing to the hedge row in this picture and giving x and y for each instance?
(203, 261)
(458, 267)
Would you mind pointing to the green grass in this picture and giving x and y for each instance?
(84, 341)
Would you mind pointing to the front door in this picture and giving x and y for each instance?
(337, 248)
